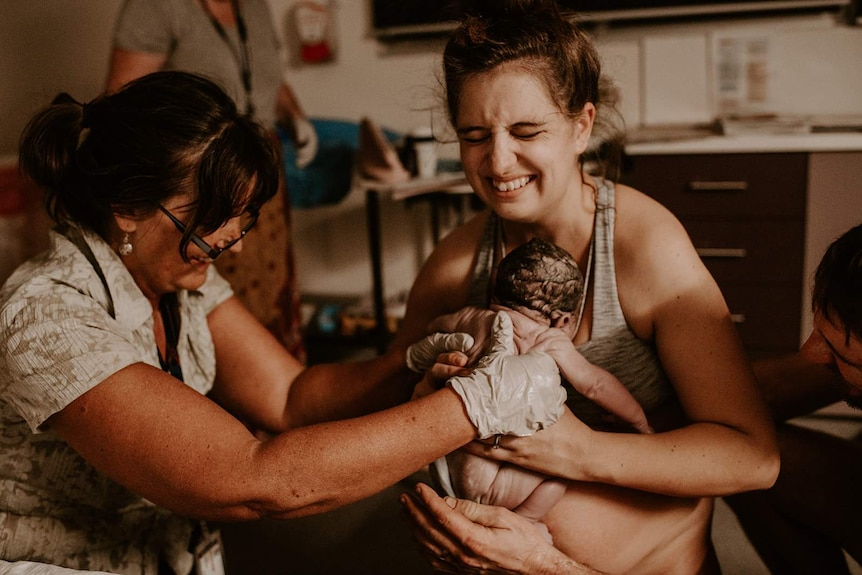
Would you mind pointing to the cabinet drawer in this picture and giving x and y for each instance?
(764, 252)
(767, 317)
(740, 185)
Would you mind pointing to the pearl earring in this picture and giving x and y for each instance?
(125, 246)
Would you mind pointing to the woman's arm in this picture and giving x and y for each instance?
(794, 385)
(287, 106)
(127, 66)
(292, 119)
(179, 449)
(260, 382)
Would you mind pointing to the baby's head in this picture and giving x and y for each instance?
(541, 277)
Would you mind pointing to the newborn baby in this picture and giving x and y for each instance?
(537, 296)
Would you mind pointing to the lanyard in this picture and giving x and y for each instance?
(169, 308)
(241, 55)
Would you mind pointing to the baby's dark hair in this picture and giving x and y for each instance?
(837, 290)
(541, 276)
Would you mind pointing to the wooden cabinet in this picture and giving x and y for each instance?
(745, 214)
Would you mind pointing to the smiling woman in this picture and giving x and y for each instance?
(524, 94)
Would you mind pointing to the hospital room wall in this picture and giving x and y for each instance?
(47, 46)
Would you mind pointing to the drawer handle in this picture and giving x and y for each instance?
(737, 318)
(720, 186)
(738, 253)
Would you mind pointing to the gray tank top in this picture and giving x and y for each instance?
(612, 344)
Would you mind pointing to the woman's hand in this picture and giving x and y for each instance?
(556, 450)
(447, 365)
(459, 536)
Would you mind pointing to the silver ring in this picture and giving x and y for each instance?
(497, 439)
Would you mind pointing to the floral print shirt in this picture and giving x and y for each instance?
(69, 318)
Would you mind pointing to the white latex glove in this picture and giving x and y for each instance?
(305, 141)
(423, 354)
(509, 394)
(476, 321)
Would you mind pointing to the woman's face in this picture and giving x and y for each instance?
(518, 149)
(155, 262)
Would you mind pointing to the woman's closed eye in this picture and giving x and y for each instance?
(474, 135)
(520, 132)
(527, 133)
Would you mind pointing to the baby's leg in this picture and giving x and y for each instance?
(543, 497)
(471, 477)
(526, 492)
(487, 481)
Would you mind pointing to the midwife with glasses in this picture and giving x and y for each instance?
(235, 44)
(247, 221)
(132, 379)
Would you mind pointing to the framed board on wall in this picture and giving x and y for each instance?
(392, 18)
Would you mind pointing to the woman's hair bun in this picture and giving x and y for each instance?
(508, 8)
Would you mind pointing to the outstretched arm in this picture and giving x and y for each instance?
(794, 385)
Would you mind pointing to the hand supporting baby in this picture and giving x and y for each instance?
(505, 394)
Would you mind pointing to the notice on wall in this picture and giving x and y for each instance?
(741, 73)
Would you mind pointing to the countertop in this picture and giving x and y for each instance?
(750, 144)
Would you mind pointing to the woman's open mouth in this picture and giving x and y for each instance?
(511, 185)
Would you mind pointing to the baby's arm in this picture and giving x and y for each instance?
(595, 383)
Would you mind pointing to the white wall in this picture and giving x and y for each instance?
(664, 71)
(46, 47)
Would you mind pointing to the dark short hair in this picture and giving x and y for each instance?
(162, 135)
(837, 292)
(541, 276)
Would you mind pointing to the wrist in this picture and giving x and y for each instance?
(459, 418)
(589, 467)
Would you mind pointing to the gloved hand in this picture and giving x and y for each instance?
(476, 321)
(423, 354)
(509, 394)
(305, 141)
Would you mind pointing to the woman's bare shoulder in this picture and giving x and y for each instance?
(443, 282)
(453, 256)
(645, 228)
(654, 257)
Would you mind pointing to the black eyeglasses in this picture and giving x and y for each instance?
(247, 221)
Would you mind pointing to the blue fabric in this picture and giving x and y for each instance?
(326, 180)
